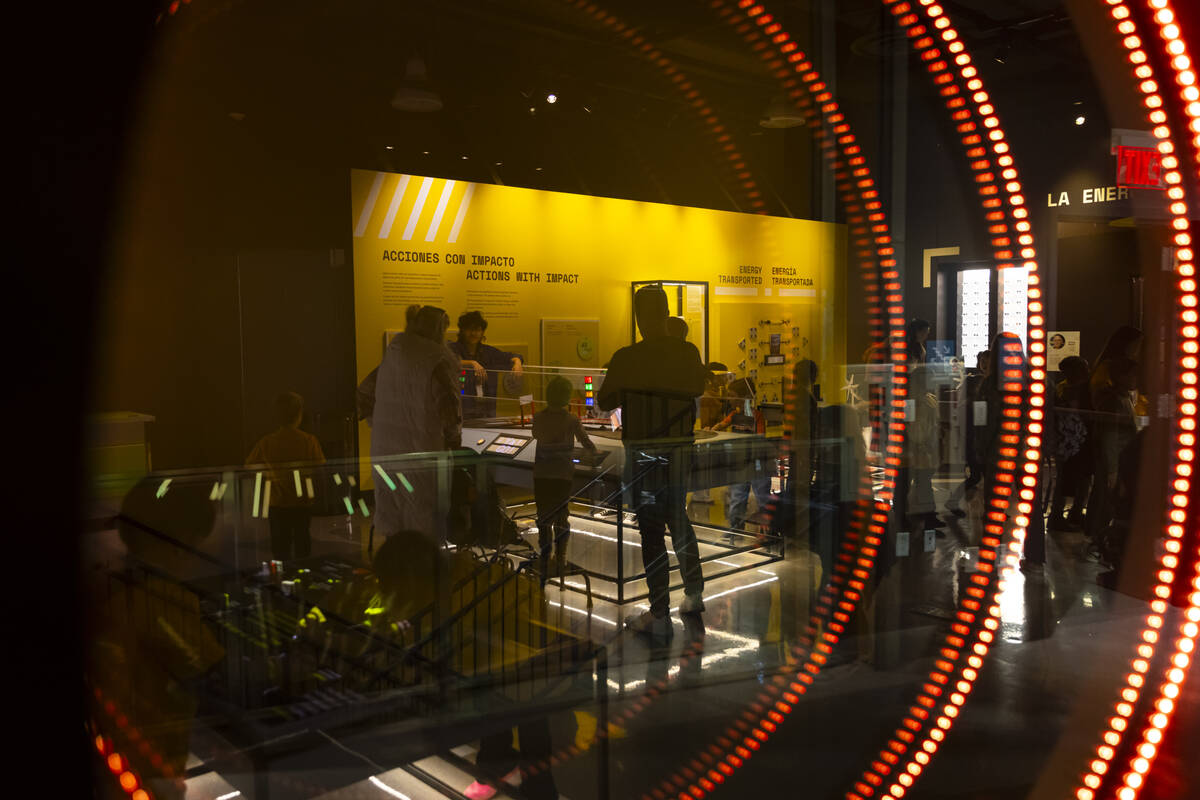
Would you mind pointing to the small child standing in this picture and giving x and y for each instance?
(290, 512)
(555, 429)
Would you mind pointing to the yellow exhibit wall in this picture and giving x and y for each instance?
(524, 255)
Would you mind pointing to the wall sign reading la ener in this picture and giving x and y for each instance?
(1097, 194)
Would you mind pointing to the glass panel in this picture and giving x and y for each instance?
(612, 399)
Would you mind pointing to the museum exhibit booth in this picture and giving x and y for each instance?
(554, 276)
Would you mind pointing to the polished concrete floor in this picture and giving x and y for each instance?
(1029, 729)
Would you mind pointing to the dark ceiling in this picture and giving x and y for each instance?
(313, 80)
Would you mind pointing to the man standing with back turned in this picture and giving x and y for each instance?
(656, 382)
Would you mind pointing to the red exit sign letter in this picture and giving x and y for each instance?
(1139, 166)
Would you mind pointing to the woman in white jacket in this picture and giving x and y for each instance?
(417, 410)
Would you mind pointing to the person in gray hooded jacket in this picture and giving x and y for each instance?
(417, 410)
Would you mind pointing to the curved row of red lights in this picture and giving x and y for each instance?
(1156, 721)
(1186, 642)
(724, 139)
(942, 696)
(117, 762)
(873, 243)
(119, 766)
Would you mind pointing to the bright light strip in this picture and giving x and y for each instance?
(736, 589)
(584, 611)
(378, 784)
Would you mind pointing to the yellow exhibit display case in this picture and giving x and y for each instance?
(551, 273)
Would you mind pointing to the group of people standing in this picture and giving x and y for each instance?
(418, 397)
(1097, 415)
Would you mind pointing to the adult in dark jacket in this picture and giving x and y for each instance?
(920, 456)
(1114, 428)
(416, 411)
(481, 365)
(1009, 381)
(1072, 445)
(655, 382)
(973, 391)
(916, 334)
(1125, 342)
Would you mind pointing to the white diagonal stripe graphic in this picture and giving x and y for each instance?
(462, 212)
(393, 207)
(436, 222)
(364, 216)
(416, 212)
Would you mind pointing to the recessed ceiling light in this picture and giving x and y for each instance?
(551, 98)
(424, 152)
(537, 169)
(1080, 120)
(499, 163)
(532, 110)
(464, 158)
(388, 147)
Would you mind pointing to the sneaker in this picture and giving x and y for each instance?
(483, 791)
(479, 791)
(657, 628)
(692, 604)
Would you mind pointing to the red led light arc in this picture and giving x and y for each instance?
(724, 139)
(872, 241)
(949, 683)
(128, 779)
(1156, 721)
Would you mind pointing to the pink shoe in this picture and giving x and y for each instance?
(482, 791)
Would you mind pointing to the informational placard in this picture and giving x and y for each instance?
(570, 342)
(1060, 345)
(939, 351)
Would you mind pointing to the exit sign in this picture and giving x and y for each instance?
(1139, 166)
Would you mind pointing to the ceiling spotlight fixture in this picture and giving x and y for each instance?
(532, 110)
(424, 152)
(588, 110)
(388, 147)
(1080, 120)
(415, 94)
(551, 98)
(537, 169)
(781, 113)
(464, 158)
(499, 163)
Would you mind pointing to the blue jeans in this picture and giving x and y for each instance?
(660, 478)
(739, 496)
